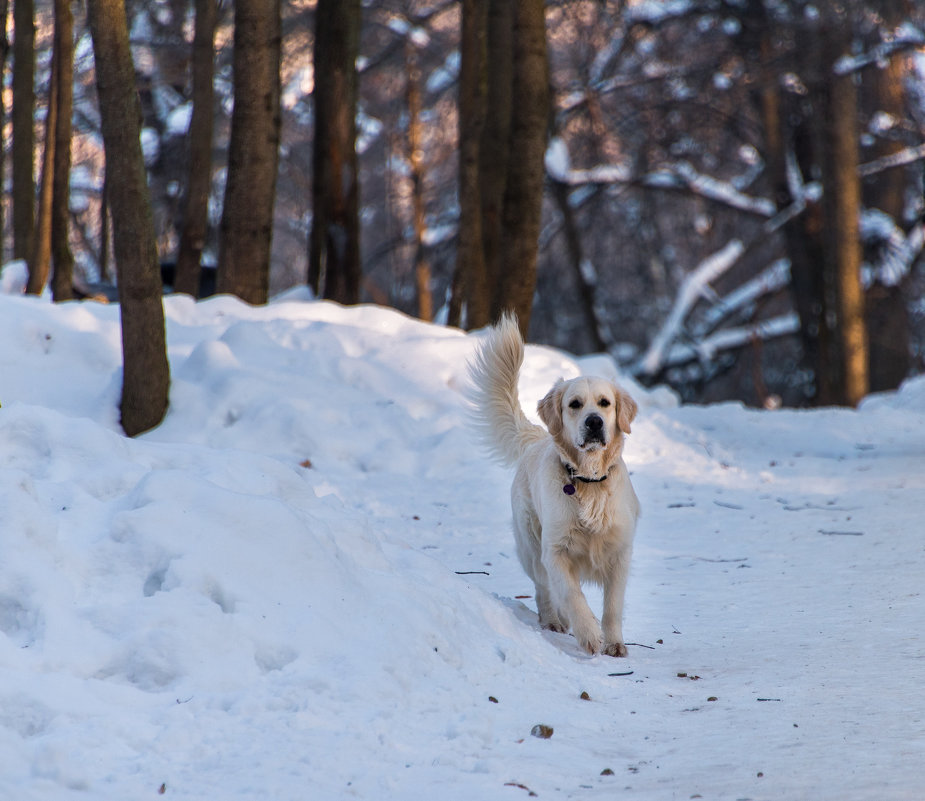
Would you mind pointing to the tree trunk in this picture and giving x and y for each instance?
(253, 153)
(4, 54)
(523, 196)
(494, 158)
(146, 374)
(199, 181)
(887, 313)
(40, 254)
(470, 285)
(416, 159)
(63, 260)
(334, 243)
(842, 205)
(23, 134)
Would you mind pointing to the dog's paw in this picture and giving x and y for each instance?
(588, 636)
(553, 624)
(615, 649)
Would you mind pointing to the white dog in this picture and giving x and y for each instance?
(574, 507)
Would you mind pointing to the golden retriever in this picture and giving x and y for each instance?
(574, 507)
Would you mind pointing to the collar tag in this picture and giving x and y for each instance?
(569, 489)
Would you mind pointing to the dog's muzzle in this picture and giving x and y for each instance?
(594, 430)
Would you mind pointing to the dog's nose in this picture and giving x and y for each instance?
(594, 423)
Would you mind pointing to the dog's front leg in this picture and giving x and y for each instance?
(565, 587)
(614, 592)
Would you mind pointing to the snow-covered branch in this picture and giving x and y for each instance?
(770, 280)
(680, 176)
(906, 37)
(731, 338)
(907, 155)
(896, 250)
(694, 286)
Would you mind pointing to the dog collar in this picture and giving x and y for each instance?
(569, 488)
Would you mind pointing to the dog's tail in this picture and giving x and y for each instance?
(497, 416)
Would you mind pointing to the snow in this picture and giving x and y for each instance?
(304, 581)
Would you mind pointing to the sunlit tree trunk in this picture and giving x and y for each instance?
(842, 204)
(40, 254)
(199, 174)
(416, 159)
(253, 153)
(146, 375)
(334, 242)
(4, 55)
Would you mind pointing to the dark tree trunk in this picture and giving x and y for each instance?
(62, 258)
(470, 285)
(4, 55)
(334, 242)
(523, 195)
(146, 374)
(199, 175)
(23, 135)
(494, 157)
(253, 153)
(887, 312)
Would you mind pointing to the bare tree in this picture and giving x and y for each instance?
(246, 229)
(199, 181)
(4, 55)
(503, 58)
(523, 194)
(146, 373)
(334, 242)
(23, 136)
(40, 253)
(62, 257)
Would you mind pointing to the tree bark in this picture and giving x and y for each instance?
(23, 133)
(470, 287)
(146, 374)
(62, 259)
(416, 159)
(4, 55)
(199, 180)
(886, 309)
(842, 204)
(253, 153)
(40, 254)
(334, 242)
(523, 196)
(494, 158)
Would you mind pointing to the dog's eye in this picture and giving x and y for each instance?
(603, 403)
(575, 404)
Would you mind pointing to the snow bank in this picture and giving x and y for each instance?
(304, 582)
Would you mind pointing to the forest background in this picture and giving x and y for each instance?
(725, 195)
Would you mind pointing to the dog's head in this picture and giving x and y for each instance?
(588, 418)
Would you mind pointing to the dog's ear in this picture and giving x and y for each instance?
(626, 410)
(550, 408)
